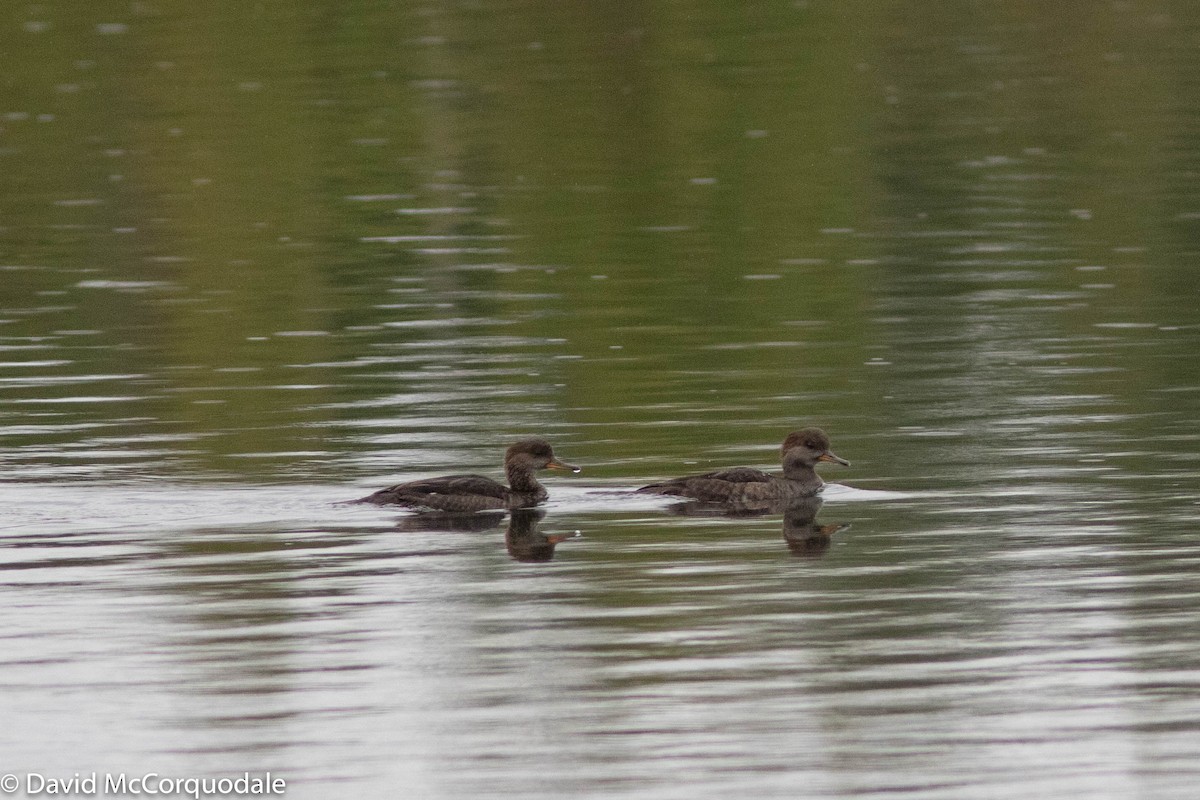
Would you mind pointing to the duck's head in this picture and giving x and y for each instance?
(809, 446)
(535, 453)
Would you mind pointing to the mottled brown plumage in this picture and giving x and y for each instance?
(801, 452)
(470, 493)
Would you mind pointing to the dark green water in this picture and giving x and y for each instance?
(258, 258)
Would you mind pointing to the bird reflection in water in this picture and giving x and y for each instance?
(523, 540)
(804, 536)
(528, 544)
(461, 523)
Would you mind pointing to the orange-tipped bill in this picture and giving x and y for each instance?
(829, 456)
(556, 464)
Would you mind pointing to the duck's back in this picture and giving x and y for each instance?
(721, 486)
(454, 493)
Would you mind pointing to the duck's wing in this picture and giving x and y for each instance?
(717, 485)
(738, 475)
(454, 493)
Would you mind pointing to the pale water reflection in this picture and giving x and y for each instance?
(260, 260)
(937, 628)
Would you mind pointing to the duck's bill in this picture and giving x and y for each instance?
(556, 464)
(833, 459)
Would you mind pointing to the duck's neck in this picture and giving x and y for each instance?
(802, 473)
(521, 478)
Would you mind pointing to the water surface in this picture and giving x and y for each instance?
(256, 261)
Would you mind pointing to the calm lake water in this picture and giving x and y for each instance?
(259, 259)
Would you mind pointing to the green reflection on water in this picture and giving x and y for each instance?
(595, 219)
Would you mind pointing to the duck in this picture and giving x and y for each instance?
(802, 450)
(465, 494)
